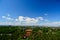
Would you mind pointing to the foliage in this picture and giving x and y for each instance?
(38, 33)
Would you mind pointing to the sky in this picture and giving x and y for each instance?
(30, 12)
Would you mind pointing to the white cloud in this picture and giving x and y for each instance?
(3, 17)
(31, 20)
(8, 14)
(22, 20)
(16, 19)
(40, 18)
(27, 20)
(7, 18)
(52, 23)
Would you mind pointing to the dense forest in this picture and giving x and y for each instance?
(37, 33)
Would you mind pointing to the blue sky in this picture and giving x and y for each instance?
(49, 10)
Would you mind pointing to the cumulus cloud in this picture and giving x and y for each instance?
(16, 19)
(3, 17)
(7, 18)
(29, 20)
(40, 18)
(8, 14)
(22, 20)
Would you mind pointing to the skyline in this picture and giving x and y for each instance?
(30, 12)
